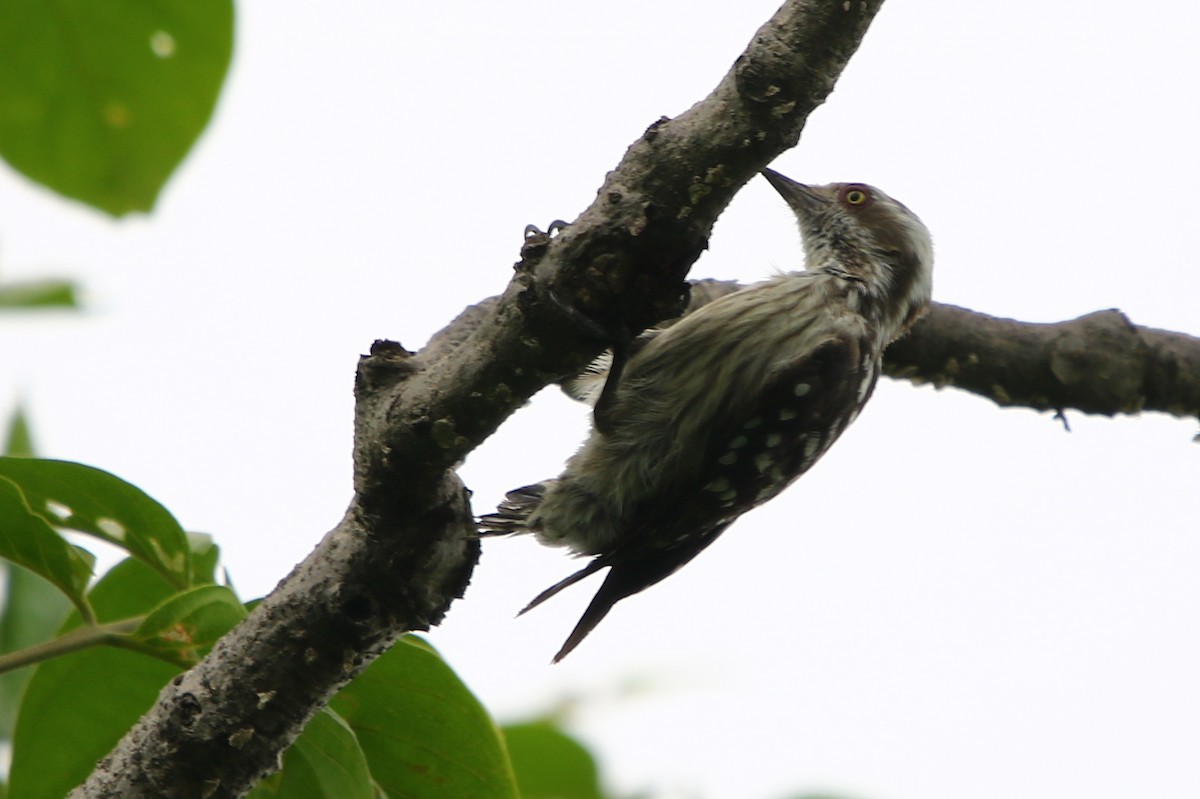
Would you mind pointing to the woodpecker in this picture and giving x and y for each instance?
(701, 421)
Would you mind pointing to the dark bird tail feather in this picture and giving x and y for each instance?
(633, 568)
(620, 582)
(612, 591)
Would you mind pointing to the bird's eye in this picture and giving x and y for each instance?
(855, 197)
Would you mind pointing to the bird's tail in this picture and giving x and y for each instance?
(512, 516)
(618, 584)
(608, 596)
(612, 590)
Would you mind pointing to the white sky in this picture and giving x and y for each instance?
(958, 601)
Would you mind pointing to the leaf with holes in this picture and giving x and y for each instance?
(95, 502)
(186, 626)
(27, 540)
(100, 101)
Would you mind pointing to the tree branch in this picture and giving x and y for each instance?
(1099, 363)
(406, 547)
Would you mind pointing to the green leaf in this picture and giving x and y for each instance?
(27, 540)
(95, 502)
(188, 624)
(30, 611)
(100, 101)
(19, 441)
(75, 710)
(78, 706)
(550, 764)
(39, 294)
(205, 554)
(424, 733)
(325, 762)
(126, 590)
(407, 727)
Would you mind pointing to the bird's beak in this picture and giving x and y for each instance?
(802, 198)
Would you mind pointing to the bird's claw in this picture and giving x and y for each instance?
(554, 228)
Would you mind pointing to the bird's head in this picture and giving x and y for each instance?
(859, 233)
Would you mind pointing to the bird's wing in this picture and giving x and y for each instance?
(800, 412)
(751, 458)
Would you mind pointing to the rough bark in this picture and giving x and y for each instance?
(1099, 363)
(405, 548)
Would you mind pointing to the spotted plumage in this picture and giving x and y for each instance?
(721, 411)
